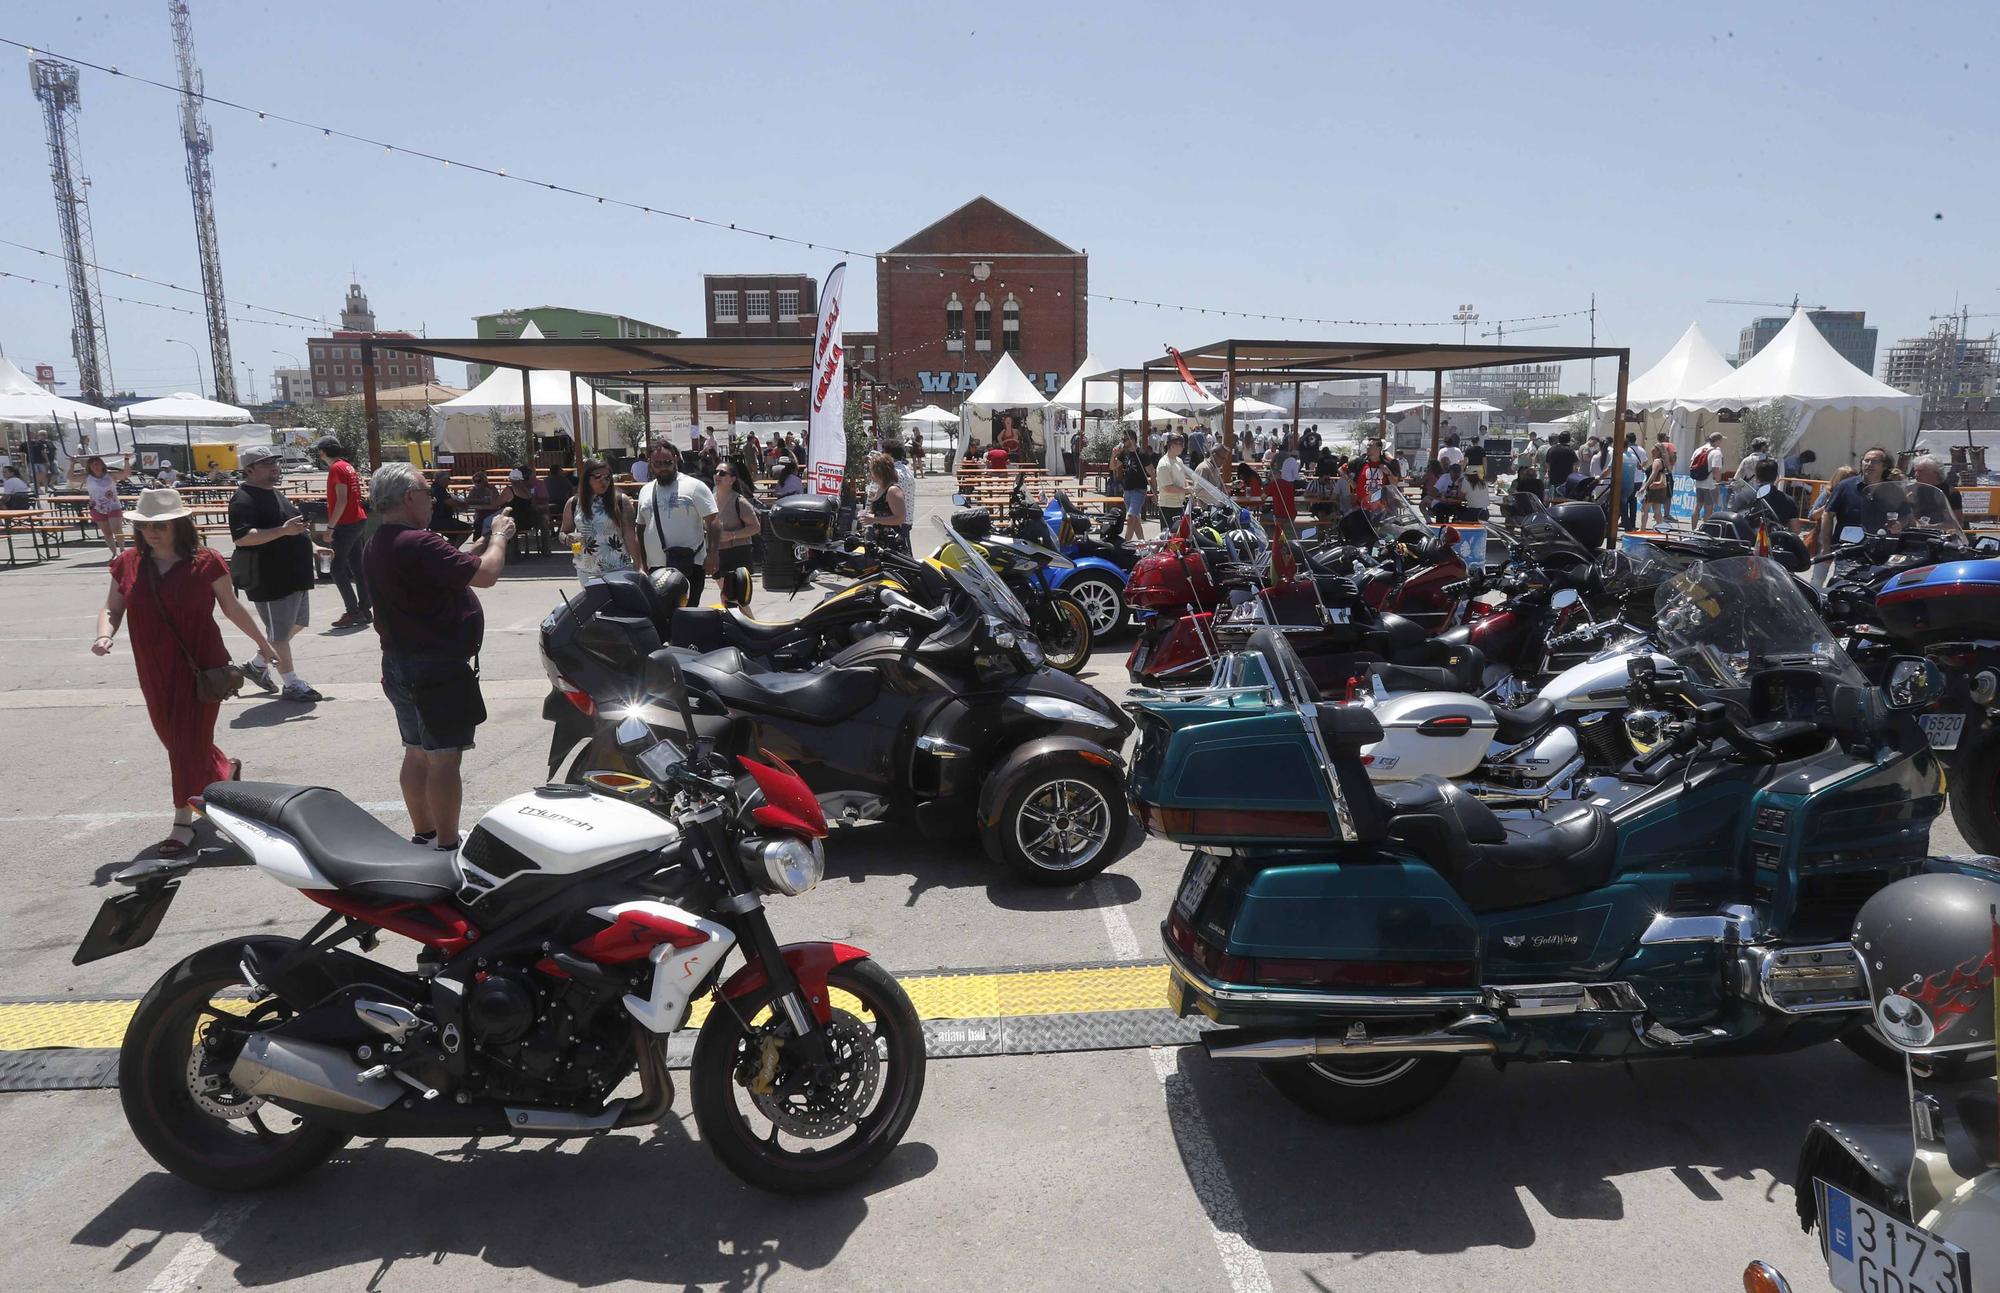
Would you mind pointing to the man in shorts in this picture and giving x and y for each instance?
(273, 568)
(431, 627)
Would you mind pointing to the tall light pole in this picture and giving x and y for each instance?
(296, 365)
(200, 382)
(1465, 316)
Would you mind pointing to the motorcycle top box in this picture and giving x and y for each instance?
(804, 519)
(1955, 601)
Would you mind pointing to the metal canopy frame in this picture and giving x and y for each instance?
(1303, 361)
(692, 364)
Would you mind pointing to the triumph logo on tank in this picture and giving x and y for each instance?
(529, 810)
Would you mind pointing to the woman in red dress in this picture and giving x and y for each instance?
(169, 586)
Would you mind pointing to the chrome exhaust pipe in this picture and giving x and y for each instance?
(1224, 1046)
(292, 1071)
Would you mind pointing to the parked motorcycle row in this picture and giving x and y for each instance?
(1667, 801)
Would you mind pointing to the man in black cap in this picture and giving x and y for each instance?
(273, 566)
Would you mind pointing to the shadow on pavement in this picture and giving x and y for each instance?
(1444, 1179)
(272, 713)
(858, 853)
(652, 1207)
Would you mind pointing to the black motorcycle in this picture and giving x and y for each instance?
(945, 718)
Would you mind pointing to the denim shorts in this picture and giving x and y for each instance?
(1135, 502)
(437, 702)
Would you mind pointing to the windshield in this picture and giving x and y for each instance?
(1533, 524)
(961, 560)
(1253, 545)
(1393, 513)
(1898, 505)
(1726, 620)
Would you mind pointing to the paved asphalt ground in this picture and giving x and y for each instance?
(1110, 1170)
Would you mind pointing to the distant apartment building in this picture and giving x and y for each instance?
(558, 321)
(759, 305)
(1943, 365)
(292, 385)
(336, 361)
(1847, 331)
(1500, 385)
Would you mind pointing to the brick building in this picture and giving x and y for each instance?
(976, 284)
(336, 360)
(759, 305)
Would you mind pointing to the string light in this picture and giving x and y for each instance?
(155, 305)
(158, 282)
(330, 132)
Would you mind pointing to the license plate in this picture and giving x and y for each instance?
(1193, 889)
(1943, 730)
(1868, 1250)
(125, 921)
(1141, 654)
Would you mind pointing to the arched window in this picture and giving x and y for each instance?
(982, 323)
(1010, 325)
(954, 324)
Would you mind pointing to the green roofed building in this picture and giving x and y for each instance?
(559, 321)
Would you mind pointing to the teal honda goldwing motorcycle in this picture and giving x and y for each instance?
(1358, 941)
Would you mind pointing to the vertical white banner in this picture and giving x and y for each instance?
(826, 432)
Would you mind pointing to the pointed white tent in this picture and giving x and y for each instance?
(1692, 365)
(22, 399)
(1103, 391)
(465, 425)
(1005, 389)
(1246, 407)
(932, 415)
(1841, 410)
(184, 409)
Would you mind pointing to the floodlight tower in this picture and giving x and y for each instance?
(201, 185)
(55, 85)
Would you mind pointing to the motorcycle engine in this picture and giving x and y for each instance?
(538, 1040)
(501, 1009)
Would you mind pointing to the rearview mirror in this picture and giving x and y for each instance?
(1852, 534)
(960, 500)
(1565, 598)
(662, 676)
(1914, 683)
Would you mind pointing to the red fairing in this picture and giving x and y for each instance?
(634, 935)
(1185, 647)
(809, 963)
(1175, 577)
(788, 804)
(433, 924)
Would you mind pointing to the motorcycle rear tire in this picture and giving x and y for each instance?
(163, 1115)
(1065, 634)
(1973, 783)
(1366, 1089)
(712, 1087)
(1089, 781)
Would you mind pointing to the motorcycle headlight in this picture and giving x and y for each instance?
(1058, 710)
(787, 865)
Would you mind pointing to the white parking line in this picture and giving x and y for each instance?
(1243, 1264)
(1124, 941)
(184, 1271)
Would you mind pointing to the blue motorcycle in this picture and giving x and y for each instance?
(1358, 941)
(1102, 562)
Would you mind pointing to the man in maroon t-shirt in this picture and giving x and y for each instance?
(349, 523)
(431, 627)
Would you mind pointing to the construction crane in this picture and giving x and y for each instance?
(1793, 304)
(201, 186)
(1500, 331)
(55, 85)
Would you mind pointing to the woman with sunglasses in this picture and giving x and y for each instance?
(736, 513)
(598, 525)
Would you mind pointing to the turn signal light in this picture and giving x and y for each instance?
(1762, 1277)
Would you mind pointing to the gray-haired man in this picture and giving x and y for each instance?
(431, 628)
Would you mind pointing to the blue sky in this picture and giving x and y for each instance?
(1378, 162)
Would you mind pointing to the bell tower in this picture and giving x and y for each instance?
(355, 316)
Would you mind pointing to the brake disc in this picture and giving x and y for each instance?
(214, 1093)
(804, 1106)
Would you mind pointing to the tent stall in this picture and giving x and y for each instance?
(204, 430)
(76, 427)
(465, 424)
(1691, 366)
(1841, 410)
(1460, 417)
(1007, 390)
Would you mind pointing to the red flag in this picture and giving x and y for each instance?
(1187, 376)
(1184, 528)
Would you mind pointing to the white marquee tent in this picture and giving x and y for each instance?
(1692, 365)
(465, 424)
(1841, 410)
(1006, 389)
(184, 409)
(1103, 391)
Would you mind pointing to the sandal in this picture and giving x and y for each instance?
(173, 848)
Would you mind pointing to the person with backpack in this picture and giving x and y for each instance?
(1706, 470)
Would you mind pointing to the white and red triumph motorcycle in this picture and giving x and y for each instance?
(576, 929)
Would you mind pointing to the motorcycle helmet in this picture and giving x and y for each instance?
(1244, 545)
(1926, 947)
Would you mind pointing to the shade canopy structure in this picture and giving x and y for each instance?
(1006, 387)
(30, 407)
(1840, 410)
(1086, 380)
(465, 424)
(931, 415)
(184, 408)
(422, 395)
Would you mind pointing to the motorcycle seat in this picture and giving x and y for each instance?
(821, 695)
(1495, 864)
(1409, 677)
(1524, 722)
(710, 628)
(348, 845)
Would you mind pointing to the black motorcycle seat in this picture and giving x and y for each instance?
(1524, 722)
(710, 628)
(1495, 864)
(822, 695)
(1399, 633)
(1410, 677)
(356, 852)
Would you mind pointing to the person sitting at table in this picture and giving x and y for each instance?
(1249, 486)
(445, 505)
(14, 492)
(167, 477)
(789, 481)
(484, 502)
(528, 511)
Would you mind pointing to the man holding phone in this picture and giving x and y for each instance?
(273, 568)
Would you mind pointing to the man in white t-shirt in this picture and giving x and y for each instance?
(166, 477)
(1450, 453)
(678, 529)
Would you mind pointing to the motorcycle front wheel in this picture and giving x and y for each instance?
(173, 1080)
(1974, 781)
(1063, 823)
(1362, 1088)
(784, 1128)
(1063, 628)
